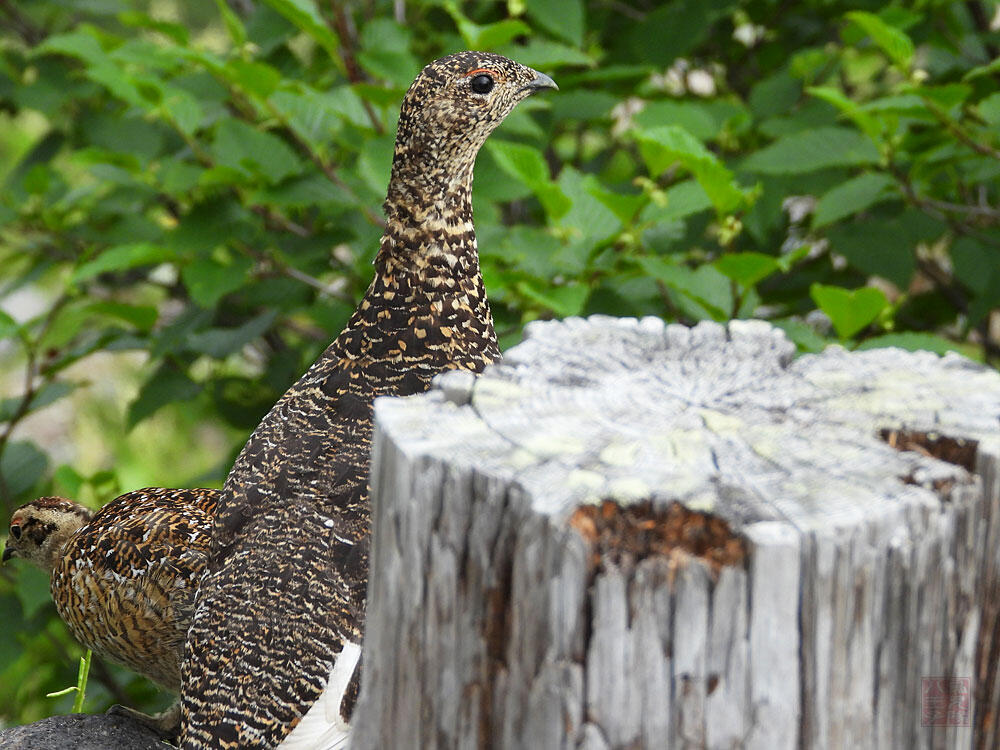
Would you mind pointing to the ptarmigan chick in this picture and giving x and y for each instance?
(124, 579)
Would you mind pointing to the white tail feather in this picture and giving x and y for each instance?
(323, 728)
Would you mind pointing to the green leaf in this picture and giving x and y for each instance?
(305, 16)
(8, 326)
(914, 341)
(852, 196)
(32, 589)
(22, 465)
(246, 149)
(81, 44)
(982, 70)
(811, 150)
(386, 51)
(667, 145)
(497, 34)
(989, 109)
(901, 105)
(221, 342)
(895, 43)
(541, 54)
(46, 395)
(122, 258)
(181, 108)
(586, 215)
(774, 95)
(178, 177)
(562, 18)
(625, 207)
(488, 36)
(177, 33)
(987, 300)
(885, 246)
(946, 96)
(564, 301)
(520, 161)
(850, 108)
(68, 481)
(167, 385)
(747, 268)
(849, 310)
(705, 286)
(803, 335)
(677, 202)
(256, 78)
(234, 26)
(669, 31)
(313, 116)
(209, 280)
(692, 116)
(527, 165)
(976, 265)
(974, 262)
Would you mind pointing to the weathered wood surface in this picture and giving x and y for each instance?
(82, 732)
(511, 606)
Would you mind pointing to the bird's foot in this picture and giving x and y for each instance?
(167, 723)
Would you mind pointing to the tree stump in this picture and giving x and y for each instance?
(632, 535)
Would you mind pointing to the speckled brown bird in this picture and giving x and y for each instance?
(279, 616)
(123, 579)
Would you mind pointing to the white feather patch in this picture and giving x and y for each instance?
(322, 728)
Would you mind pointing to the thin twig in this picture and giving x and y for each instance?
(275, 219)
(985, 211)
(928, 207)
(344, 27)
(32, 370)
(336, 291)
(956, 130)
(333, 177)
(31, 34)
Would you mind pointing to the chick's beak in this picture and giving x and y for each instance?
(539, 82)
(7, 553)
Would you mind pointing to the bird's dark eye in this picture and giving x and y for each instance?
(482, 83)
(15, 531)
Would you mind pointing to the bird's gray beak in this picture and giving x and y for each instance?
(540, 81)
(7, 553)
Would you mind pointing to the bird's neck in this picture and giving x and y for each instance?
(429, 229)
(55, 547)
(427, 268)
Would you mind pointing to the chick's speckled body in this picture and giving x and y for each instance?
(123, 579)
(280, 614)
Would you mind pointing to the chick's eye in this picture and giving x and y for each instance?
(15, 531)
(482, 84)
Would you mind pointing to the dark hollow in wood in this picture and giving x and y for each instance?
(958, 451)
(626, 535)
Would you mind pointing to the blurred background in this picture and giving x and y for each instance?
(191, 196)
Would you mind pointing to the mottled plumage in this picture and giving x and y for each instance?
(285, 594)
(123, 579)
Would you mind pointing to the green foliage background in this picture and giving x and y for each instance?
(190, 207)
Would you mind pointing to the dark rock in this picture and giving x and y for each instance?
(82, 732)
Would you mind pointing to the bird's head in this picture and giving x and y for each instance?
(454, 104)
(40, 529)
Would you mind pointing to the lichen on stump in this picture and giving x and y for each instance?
(628, 534)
